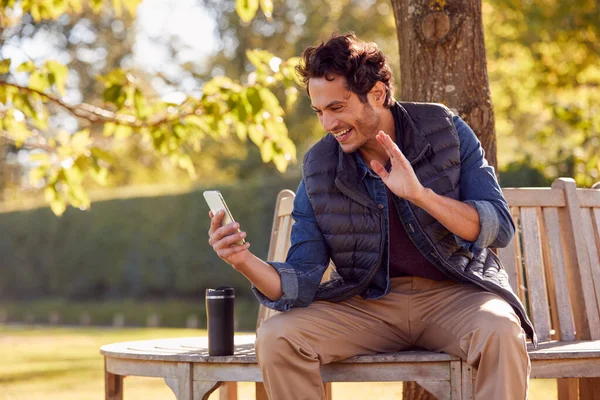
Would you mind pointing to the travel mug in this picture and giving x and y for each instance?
(219, 320)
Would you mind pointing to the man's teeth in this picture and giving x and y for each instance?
(339, 134)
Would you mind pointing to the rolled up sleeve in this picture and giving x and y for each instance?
(479, 187)
(306, 260)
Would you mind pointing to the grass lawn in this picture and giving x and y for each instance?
(65, 363)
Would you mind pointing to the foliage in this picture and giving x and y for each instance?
(544, 67)
(63, 159)
(143, 248)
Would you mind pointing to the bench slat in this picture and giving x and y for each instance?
(520, 290)
(535, 273)
(579, 274)
(534, 197)
(286, 206)
(557, 276)
(507, 256)
(587, 218)
(588, 198)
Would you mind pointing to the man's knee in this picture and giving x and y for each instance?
(278, 338)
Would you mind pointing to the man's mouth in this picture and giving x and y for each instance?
(342, 134)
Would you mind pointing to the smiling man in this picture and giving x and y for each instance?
(400, 197)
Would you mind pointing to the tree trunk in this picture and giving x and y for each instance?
(442, 60)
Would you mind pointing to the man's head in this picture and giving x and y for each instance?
(362, 64)
(350, 86)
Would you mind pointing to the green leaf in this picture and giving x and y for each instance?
(266, 151)
(59, 72)
(255, 100)
(271, 104)
(256, 133)
(140, 104)
(241, 130)
(101, 154)
(4, 66)
(216, 84)
(280, 163)
(113, 94)
(184, 161)
(246, 9)
(267, 8)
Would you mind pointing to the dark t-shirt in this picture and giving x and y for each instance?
(405, 258)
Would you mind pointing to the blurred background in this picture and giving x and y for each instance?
(139, 255)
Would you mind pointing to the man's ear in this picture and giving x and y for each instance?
(377, 93)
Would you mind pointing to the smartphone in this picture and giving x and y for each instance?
(215, 201)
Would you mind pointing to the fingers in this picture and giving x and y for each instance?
(215, 221)
(227, 252)
(391, 148)
(379, 169)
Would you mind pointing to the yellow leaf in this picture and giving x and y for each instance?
(58, 207)
(246, 9)
(118, 8)
(131, 6)
(267, 8)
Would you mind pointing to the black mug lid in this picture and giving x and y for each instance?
(221, 291)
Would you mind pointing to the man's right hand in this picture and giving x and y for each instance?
(223, 239)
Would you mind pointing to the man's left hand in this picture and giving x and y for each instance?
(401, 179)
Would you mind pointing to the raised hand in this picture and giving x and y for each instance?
(223, 239)
(401, 179)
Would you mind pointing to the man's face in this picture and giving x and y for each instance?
(341, 113)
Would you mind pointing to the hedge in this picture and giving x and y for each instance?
(141, 248)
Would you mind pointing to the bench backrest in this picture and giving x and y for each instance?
(553, 262)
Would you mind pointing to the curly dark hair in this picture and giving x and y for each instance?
(361, 63)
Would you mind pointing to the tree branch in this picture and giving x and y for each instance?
(26, 145)
(98, 115)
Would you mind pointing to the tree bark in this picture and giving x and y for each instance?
(442, 60)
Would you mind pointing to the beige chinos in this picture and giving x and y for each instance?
(459, 319)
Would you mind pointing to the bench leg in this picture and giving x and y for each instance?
(203, 389)
(113, 385)
(182, 384)
(228, 391)
(568, 389)
(589, 388)
(467, 375)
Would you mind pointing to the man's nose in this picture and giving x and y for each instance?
(329, 122)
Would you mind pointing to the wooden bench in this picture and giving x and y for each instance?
(553, 264)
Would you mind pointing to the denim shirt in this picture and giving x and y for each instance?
(308, 257)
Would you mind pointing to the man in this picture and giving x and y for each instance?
(400, 198)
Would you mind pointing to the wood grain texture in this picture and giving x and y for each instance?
(589, 232)
(534, 197)
(508, 257)
(579, 275)
(568, 389)
(538, 298)
(558, 285)
(113, 385)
